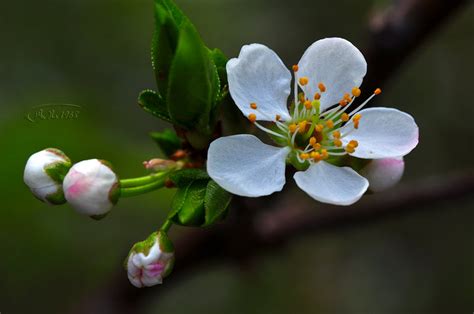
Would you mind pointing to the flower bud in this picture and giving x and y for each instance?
(44, 173)
(150, 261)
(383, 173)
(92, 187)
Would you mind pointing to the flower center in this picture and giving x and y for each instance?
(311, 134)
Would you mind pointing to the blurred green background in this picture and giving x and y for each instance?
(95, 53)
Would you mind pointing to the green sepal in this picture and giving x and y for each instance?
(167, 141)
(193, 84)
(216, 203)
(153, 103)
(220, 61)
(58, 170)
(56, 198)
(184, 177)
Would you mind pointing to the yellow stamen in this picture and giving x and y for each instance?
(319, 128)
(304, 81)
(324, 154)
(307, 104)
(354, 143)
(252, 117)
(350, 149)
(356, 92)
(317, 96)
(330, 124)
(343, 102)
(292, 128)
(322, 87)
(377, 91)
(295, 68)
(312, 141)
(316, 156)
(317, 146)
(277, 117)
(336, 134)
(347, 97)
(345, 117)
(302, 126)
(253, 105)
(304, 156)
(356, 120)
(337, 142)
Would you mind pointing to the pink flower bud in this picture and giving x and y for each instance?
(91, 187)
(383, 173)
(44, 173)
(150, 261)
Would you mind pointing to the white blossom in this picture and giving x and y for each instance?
(383, 173)
(321, 127)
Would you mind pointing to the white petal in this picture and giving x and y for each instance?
(330, 184)
(383, 133)
(383, 173)
(259, 76)
(335, 62)
(245, 166)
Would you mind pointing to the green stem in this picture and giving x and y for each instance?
(166, 226)
(133, 182)
(138, 190)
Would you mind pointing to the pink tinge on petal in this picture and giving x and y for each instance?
(387, 162)
(155, 269)
(80, 185)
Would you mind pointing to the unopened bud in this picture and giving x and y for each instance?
(44, 173)
(150, 261)
(92, 187)
(157, 164)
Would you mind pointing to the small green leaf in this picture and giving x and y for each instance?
(216, 202)
(193, 83)
(152, 102)
(167, 141)
(220, 60)
(183, 177)
(188, 204)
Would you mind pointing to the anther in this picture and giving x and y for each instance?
(312, 141)
(324, 154)
(377, 91)
(345, 117)
(307, 104)
(302, 126)
(292, 128)
(322, 87)
(356, 120)
(350, 149)
(356, 91)
(347, 97)
(295, 68)
(354, 143)
(319, 128)
(317, 146)
(304, 81)
(337, 142)
(304, 156)
(336, 134)
(317, 96)
(252, 117)
(253, 105)
(277, 117)
(343, 102)
(316, 156)
(330, 124)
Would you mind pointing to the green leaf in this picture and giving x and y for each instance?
(193, 83)
(186, 176)
(220, 60)
(152, 102)
(168, 19)
(188, 204)
(167, 141)
(216, 202)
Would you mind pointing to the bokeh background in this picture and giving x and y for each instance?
(95, 53)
